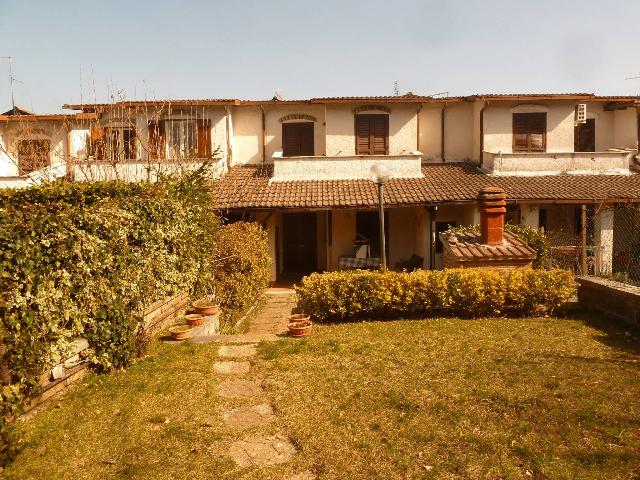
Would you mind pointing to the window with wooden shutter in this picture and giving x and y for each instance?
(120, 143)
(204, 138)
(584, 139)
(156, 140)
(33, 155)
(530, 132)
(372, 134)
(97, 143)
(297, 139)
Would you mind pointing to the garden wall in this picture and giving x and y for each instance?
(614, 299)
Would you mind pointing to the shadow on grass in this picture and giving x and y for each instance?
(612, 332)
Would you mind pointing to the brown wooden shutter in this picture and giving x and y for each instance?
(33, 155)
(537, 132)
(372, 134)
(98, 143)
(204, 138)
(585, 136)
(529, 132)
(297, 139)
(380, 135)
(156, 140)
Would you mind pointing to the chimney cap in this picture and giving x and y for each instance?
(491, 194)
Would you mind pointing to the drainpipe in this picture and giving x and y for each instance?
(433, 211)
(486, 103)
(264, 135)
(228, 127)
(418, 127)
(442, 119)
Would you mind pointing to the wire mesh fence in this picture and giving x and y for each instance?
(601, 239)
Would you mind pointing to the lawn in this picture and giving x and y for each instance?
(441, 398)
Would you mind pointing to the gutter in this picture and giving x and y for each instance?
(227, 118)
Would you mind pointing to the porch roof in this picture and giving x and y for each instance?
(248, 187)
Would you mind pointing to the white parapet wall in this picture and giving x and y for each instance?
(353, 167)
(612, 162)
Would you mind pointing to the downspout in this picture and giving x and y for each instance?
(264, 135)
(227, 117)
(486, 103)
(433, 211)
(69, 174)
(418, 127)
(442, 119)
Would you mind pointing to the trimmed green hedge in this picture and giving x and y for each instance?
(344, 295)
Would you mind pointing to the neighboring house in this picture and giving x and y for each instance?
(301, 167)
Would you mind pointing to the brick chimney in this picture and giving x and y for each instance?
(492, 209)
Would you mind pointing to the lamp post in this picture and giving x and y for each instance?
(380, 174)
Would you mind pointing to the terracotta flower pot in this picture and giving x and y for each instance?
(206, 307)
(300, 329)
(181, 332)
(299, 317)
(194, 319)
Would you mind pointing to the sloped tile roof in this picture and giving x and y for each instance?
(468, 247)
(248, 187)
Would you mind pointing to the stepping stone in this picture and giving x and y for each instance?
(237, 351)
(231, 368)
(262, 450)
(247, 417)
(239, 389)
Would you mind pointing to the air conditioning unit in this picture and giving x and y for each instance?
(581, 113)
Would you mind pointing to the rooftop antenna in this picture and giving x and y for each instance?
(636, 77)
(396, 89)
(440, 94)
(12, 79)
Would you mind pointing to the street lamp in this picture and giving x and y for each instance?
(380, 174)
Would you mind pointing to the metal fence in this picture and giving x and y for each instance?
(600, 239)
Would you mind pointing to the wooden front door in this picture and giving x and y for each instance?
(299, 242)
(372, 134)
(297, 139)
(585, 136)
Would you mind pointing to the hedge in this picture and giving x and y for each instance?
(86, 259)
(242, 267)
(345, 295)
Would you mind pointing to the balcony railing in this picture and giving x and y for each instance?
(348, 167)
(612, 162)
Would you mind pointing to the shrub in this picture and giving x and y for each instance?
(242, 266)
(347, 295)
(534, 238)
(86, 259)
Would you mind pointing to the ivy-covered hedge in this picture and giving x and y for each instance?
(242, 267)
(86, 259)
(361, 294)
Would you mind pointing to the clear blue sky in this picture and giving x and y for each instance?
(247, 49)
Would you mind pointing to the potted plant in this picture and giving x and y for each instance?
(181, 332)
(194, 319)
(298, 317)
(300, 328)
(207, 305)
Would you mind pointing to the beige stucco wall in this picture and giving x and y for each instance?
(247, 135)
(625, 133)
(461, 133)
(274, 127)
(11, 133)
(340, 129)
(344, 231)
(430, 118)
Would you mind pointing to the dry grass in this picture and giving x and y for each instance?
(444, 398)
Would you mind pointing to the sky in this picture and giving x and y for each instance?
(65, 50)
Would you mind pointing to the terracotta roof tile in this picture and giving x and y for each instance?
(467, 246)
(248, 187)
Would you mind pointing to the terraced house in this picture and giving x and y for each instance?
(302, 167)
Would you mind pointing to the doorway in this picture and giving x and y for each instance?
(300, 250)
(585, 136)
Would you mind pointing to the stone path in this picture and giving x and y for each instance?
(256, 449)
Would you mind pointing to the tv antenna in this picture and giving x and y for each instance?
(396, 88)
(12, 79)
(635, 77)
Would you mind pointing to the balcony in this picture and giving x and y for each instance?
(348, 167)
(611, 162)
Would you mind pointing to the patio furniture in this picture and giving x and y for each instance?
(353, 263)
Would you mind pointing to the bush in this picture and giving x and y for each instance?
(534, 238)
(242, 267)
(86, 259)
(345, 295)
